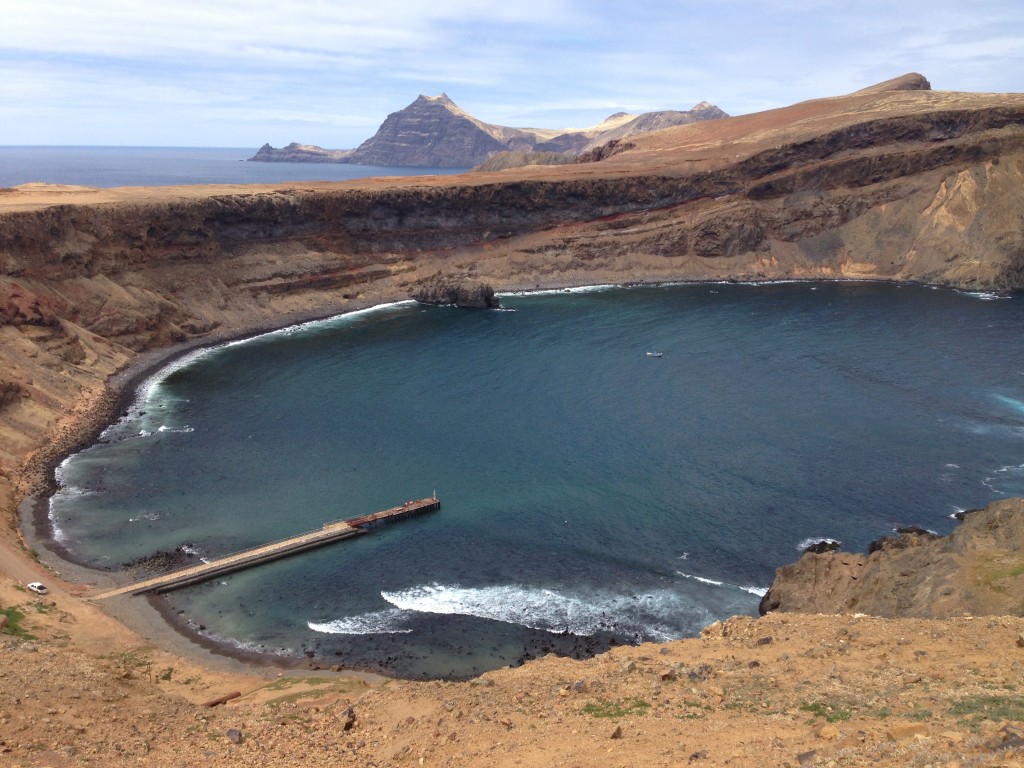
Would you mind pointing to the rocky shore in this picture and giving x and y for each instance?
(978, 570)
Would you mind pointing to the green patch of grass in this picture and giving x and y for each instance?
(617, 708)
(166, 675)
(920, 715)
(882, 713)
(13, 627)
(990, 707)
(994, 573)
(832, 713)
(284, 683)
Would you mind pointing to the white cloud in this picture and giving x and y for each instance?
(243, 72)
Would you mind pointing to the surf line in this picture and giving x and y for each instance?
(293, 545)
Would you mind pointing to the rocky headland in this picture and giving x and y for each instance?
(891, 183)
(978, 570)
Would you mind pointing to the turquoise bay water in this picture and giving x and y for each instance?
(591, 494)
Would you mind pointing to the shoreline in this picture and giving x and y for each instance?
(153, 616)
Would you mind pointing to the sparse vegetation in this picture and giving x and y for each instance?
(13, 626)
(990, 708)
(617, 708)
(832, 713)
(137, 660)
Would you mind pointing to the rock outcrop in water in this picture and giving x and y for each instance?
(977, 570)
(447, 290)
(299, 153)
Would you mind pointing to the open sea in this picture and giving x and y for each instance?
(591, 495)
(163, 166)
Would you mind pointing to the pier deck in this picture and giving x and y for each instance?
(328, 534)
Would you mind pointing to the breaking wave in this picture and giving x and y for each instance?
(1011, 474)
(759, 591)
(391, 621)
(649, 616)
(810, 542)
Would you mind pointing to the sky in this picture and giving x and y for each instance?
(238, 73)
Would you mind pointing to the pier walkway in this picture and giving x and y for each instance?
(328, 534)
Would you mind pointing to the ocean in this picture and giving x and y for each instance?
(163, 166)
(591, 495)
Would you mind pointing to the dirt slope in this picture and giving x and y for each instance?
(782, 690)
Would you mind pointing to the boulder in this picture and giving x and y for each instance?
(444, 290)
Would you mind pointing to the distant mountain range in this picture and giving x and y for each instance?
(434, 131)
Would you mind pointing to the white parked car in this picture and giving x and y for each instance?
(38, 587)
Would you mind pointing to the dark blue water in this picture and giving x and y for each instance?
(162, 166)
(590, 493)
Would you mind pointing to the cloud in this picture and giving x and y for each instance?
(228, 72)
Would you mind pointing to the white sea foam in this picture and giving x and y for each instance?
(56, 531)
(391, 621)
(1009, 472)
(241, 644)
(146, 516)
(701, 579)
(179, 431)
(648, 616)
(759, 591)
(1011, 402)
(190, 550)
(985, 295)
(559, 291)
(810, 542)
(344, 318)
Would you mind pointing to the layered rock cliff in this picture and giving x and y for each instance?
(656, 121)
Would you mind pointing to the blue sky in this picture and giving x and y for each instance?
(243, 72)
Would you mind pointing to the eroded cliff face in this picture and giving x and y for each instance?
(978, 570)
(890, 186)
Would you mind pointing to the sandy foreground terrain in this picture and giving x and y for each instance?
(77, 689)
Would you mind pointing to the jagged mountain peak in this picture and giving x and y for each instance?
(435, 131)
(441, 98)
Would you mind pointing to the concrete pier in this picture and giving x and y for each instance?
(328, 534)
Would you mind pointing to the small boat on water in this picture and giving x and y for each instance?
(654, 353)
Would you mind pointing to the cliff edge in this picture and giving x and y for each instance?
(977, 570)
